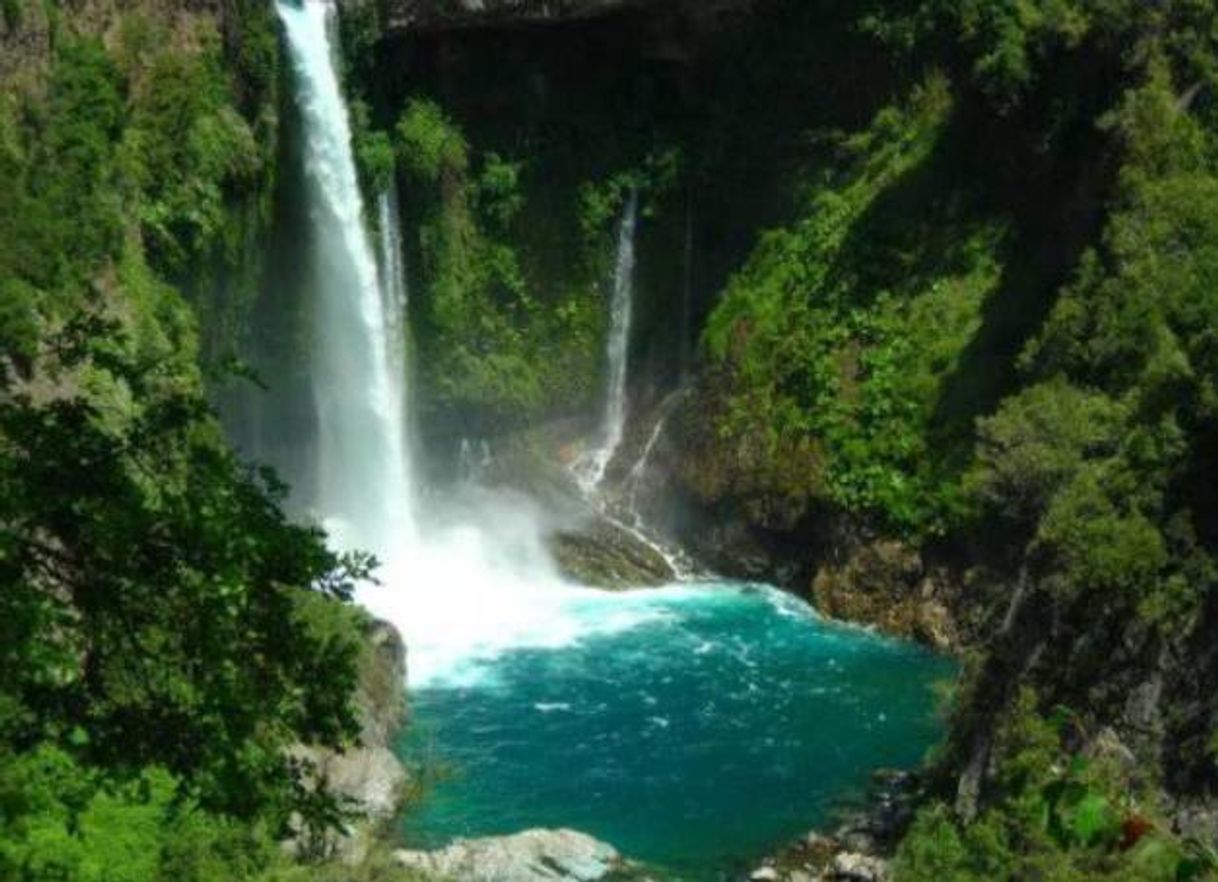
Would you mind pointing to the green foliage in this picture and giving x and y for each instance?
(1087, 459)
(167, 554)
(1010, 39)
(359, 28)
(1012, 46)
(1041, 439)
(74, 826)
(374, 156)
(1055, 815)
(601, 202)
(144, 151)
(187, 151)
(498, 195)
(251, 49)
(165, 632)
(12, 12)
(841, 328)
(495, 350)
(429, 144)
(67, 215)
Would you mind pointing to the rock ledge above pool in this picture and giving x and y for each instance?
(531, 856)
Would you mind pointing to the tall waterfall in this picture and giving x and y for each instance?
(621, 307)
(464, 577)
(364, 487)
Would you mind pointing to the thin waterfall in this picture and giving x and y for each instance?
(395, 297)
(621, 306)
(395, 293)
(634, 480)
(628, 502)
(364, 487)
(619, 329)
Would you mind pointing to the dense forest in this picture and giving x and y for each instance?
(927, 294)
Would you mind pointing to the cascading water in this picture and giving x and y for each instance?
(628, 498)
(690, 703)
(364, 489)
(591, 471)
(478, 580)
(638, 471)
(395, 293)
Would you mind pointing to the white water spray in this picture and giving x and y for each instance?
(468, 578)
(591, 470)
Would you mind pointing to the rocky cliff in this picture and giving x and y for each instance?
(368, 779)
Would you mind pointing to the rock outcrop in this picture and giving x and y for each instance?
(589, 545)
(531, 856)
(887, 584)
(368, 779)
(860, 846)
(605, 555)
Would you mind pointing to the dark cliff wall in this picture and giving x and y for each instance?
(422, 15)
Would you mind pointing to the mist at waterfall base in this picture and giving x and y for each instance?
(687, 725)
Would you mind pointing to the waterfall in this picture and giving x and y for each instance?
(592, 470)
(619, 328)
(395, 298)
(395, 293)
(682, 565)
(364, 488)
(634, 480)
(467, 576)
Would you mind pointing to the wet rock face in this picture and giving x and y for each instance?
(532, 856)
(860, 848)
(368, 777)
(886, 583)
(603, 555)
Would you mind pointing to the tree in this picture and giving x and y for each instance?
(152, 591)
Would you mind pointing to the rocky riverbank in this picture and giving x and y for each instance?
(531, 856)
(858, 848)
(368, 779)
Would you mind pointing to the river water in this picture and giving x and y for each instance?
(694, 726)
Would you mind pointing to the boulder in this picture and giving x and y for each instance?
(531, 856)
(885, 583)
(602, 554)
(850, 866)
(368, 778)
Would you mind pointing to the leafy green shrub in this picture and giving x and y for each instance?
(188, 152)
(429, 144)
(1052, 815)
(497, 350)
(841, 328)
(374, 156)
